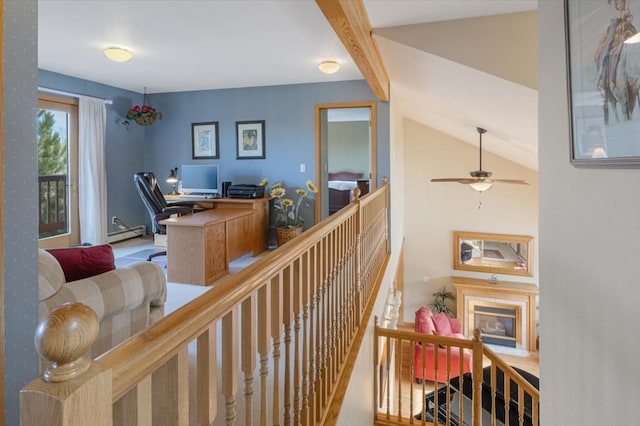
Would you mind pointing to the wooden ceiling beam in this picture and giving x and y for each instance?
(350, 22)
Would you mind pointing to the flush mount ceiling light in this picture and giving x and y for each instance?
(329, 67)
(117, 54)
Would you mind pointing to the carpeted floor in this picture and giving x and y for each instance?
(138, 249)
(139, 256)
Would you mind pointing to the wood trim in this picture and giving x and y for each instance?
(373, 147)
(2, 375)
(350, 22)
(58, 99)
(71, 107)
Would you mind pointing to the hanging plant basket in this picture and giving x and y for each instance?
(145, 114)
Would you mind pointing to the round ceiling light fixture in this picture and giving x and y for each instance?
(117, 54)
(329, 67)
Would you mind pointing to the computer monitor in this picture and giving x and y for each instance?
(199, 179)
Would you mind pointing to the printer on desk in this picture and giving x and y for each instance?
(245, 191)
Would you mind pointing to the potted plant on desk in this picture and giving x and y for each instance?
(288, 222)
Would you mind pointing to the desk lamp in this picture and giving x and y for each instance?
(173, 180)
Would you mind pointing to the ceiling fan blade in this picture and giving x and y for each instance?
(514, 181)
(459, 180)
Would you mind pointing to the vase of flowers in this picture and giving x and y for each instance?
(287, 219)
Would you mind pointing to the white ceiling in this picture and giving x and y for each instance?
(196, 45)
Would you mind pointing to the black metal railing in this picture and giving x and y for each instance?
(52, 195)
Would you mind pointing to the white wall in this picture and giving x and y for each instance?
(358, 408)
(589, 279)
(432, 211)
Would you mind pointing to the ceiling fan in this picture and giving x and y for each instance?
(480, 179)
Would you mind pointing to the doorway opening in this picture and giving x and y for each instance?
(345, 153)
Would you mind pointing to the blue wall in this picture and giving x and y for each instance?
(288, 111)
(124, 146)
(19, 205)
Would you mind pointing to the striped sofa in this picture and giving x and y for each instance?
(126, 300)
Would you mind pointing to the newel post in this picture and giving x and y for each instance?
(476, 371)
(73, 390)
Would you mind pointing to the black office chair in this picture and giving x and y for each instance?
(157, 206)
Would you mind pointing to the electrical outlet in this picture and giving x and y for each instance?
(303, 167)
(114, 220)
(426, 279)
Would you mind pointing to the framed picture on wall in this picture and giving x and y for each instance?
(603, 82)
(250, 139)
(204, 140)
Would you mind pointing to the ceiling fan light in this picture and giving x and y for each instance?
(482, 185)
(117, 54)
(329, 67)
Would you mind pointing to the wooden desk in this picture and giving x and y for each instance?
(200, 246)
(260, 207)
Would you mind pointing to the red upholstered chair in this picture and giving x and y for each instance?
(440, 324)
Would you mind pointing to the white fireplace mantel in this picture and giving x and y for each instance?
(520, 294)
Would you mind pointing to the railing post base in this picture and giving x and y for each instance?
(84, 400)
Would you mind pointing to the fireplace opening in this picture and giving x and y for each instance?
(500, 324)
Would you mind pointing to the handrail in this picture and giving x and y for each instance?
(155, 345)
(296, 311)
(390, 393)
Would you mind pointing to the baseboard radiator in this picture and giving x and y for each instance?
(126, 234)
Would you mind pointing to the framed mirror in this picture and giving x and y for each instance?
(493, 253)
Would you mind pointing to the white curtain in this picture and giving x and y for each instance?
(92, 176)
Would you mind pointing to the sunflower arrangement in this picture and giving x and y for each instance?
(287, 210)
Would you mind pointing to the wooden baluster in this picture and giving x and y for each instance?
(321, 327)
(170, 384)
(248, 354)
(476, 369)
(460, 370)
(493, 392)
(207, 381)
(359, 269)
(326, 320)
(339, 299)
(264, 323)
(230, 363)
(305, 282)
(297, 307)
(376, 367)
(506, 383)
(276, 335)
(287, 312)
(333, 312)
(399, 377)
(135, 407)
(73, 389)
(313, 328)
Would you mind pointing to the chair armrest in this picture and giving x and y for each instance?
(183, 203)
(178, 210)
(113, 292)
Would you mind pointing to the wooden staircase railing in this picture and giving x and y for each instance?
(268, 345)
(396, 390)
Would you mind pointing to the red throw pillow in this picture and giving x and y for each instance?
(441, 323)
(82, 262)
(423, 323)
